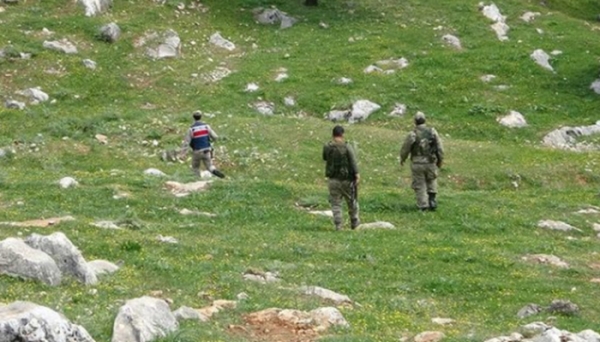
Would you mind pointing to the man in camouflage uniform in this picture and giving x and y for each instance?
(198, 137)
(426, 154)
(342, 171)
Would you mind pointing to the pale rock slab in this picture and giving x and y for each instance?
(67, 182)
(361, 110)
(101, 138)
(529, 310)
(251, 87)
(545, 259)
(36, 94)
(264, 107)
(67, 257)
(167, 239)
(492, 12)
(542, 59)
(185, 313)
(217, 40)
(532, 329)
(513, 119)
(62, 45)
(90, 64)
(556, 225)
(216, 307)
(29, 322)
(143, 319)
(184, 189)
(501, 29)
(376, 225)
(169, 48)
(344, 80)
(589, 335)
(566, 137)
(102, 267)
(443, 321)
(272, 16)
(327, 213)
(216, 75)
(17, 259)
(154, 172)
(452, 41)
(95, 7)
(320, 319)
(326, 294)
(105, 225)
(529, 16)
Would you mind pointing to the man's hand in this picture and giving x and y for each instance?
(357, 179)
(439, 164)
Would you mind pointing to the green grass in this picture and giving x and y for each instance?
(463, 261)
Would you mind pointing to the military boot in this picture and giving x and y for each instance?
(338, 226)
(218, 173)
(432, 201)
(354, 223)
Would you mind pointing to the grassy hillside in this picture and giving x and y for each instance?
(462, 262)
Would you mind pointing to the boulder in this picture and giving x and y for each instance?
(501, 29)
(62, 45)
(542, 59)
(316, 320)
(556, 225)
(513, 120)
(492, 12)
(270, 16)
(361, 110)
(326, 294)
(101, 267)
(217, 40)
(566, 137)
(67, 257)
(532, 329)
(589, 335)
(143, 319)
(109, 32)
(529, 310)
(95, 7)
(29, 322)
(529, 16)
(17, 259)
(36, 95)
(563, 307)
(67, 182)
(452, 41)
(169, 46)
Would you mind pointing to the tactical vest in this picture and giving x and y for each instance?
(424, 145)
(200, 136)
(338, 162)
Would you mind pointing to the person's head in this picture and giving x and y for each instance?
(419, 118)
(338, 131)
(197, 115)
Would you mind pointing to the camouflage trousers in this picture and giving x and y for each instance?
(338, 190)
(424, 182)
(204, 157)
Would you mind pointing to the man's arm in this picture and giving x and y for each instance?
(212, 133)
(353, 163)
(325, 152)
(405, 151)
(440, 146)
(186, 141)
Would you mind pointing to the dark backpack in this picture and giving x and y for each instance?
(338, 164)
(425, 144)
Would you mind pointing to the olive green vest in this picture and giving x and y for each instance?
(425, 144)
(338, 162)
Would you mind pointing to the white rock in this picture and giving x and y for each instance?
(556, 225)
(327, 213)
(95, 7)
(542, 59)
(143, 319)
(29, 322)
(289, 101)
(61, 46)
(371, 69)
(492, 12)
(556, 52)
(545, 259)
(67, 182)
(539, 30)
(399, 110)
(595, 86)
(110, 32)
(513, 120)
(34, 94)
(167, 239)
(272, 16)
(281, 77)
(90, 64)
(218, 74)
(529, 16)
(261, 277)
(442, 321)
(242, 296)
(12, 104)
(376, 225)
(169, 48)
(17, 259)
(264, 107)
(217, 40)
(329, 316)
(596, 227)
(533, 329)
(566, 137)
(185, 188)
(101, 267)
(103, 139)
(186, 312)
(252, 87)
(344, 80)
(326, 294)
(452, 41)
(588, 211)
(589, 335)
(154, 172)
(501, 29)
(361, 110)
(391, 63)
(68, 258)
(487, 78)
(430, 336)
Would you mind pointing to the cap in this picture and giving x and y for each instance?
(420, 116)
(197, 114)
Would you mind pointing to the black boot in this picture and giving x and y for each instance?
(432, 201)
(218, 173)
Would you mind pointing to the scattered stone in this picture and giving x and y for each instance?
(501, 30)
(29, 322)
(242, 296)
(167, 239)
(67, 257)
(261, 277)
(103, 139)
(376, 225)
(326, 294)
(545, 259)
(251, 87)
(595, 86)
(90, 64)
(36, 95)
(501, 87)
(452, 41)
(563, 307)
(41, 223)
(62, 45)
(281, 77)
(323, 25)
(2, 10)
(344, 80)
(218, 40)
(529, 310)
(264, 107)
(272, 16)
(529, 16)
(542, 59)
(154, 172)
(184, 189)
(109, 33)
(391, 63)
(361, 110)
(442, 321)
(102, 267)
(556, 225)
(216, 307)
(429, 336)
(513, 120)
(539, 30)
(589, 335)
(289, 101)
(95, 7)
(200, 213)
(532, 329)
(487, 78)
(185, 312)
(327, 213)
(588, 211)
(500, 27)
(596, 227)
(399, 110)
(566, 137)
(17, 259)
(12, 104)
(514, 337)
(143, 319)
(216, 75)
(169, 47)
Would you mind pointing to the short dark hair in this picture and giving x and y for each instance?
(338, 131)
(197, 115)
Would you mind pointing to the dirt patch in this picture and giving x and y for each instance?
(273, 330)
(42, 223)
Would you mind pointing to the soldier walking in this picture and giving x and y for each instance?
(426, 154)
(342, 171)
(199, 138)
